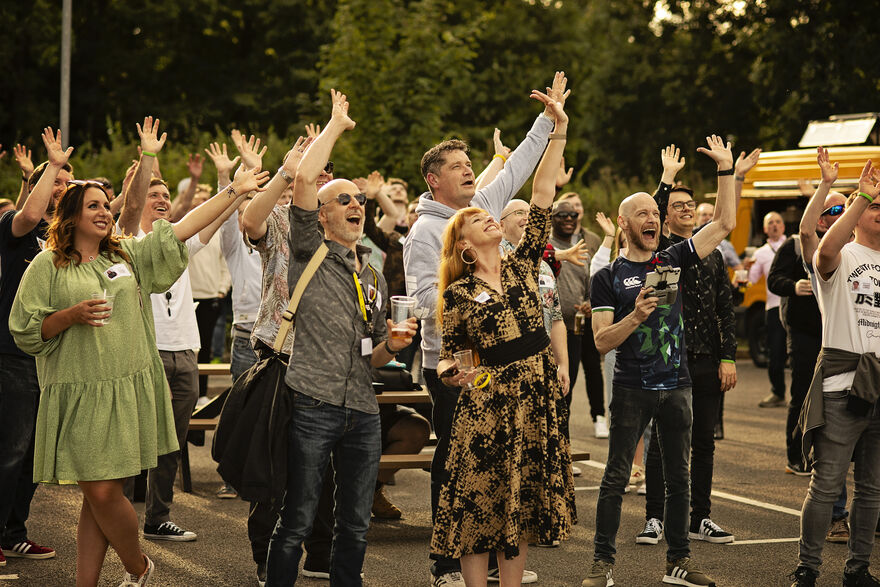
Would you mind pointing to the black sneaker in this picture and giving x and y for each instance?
(804, 577)
(860, 578)
(168, 531)
(710, 532)
(652, 534)
(799, 469)
(316, 569)
(261, 574)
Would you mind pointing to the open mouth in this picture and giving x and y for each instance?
(354, 219)
(101, 224)
(468, 183)
(650, 233)
(161, 209)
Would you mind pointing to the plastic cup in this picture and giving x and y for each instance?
(109, 299)
(402, 308)
(741, 275)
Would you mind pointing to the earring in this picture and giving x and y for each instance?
(464, 260)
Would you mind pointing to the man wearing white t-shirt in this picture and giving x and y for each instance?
(841, 415)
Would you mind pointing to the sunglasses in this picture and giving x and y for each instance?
(833, 210)
(328, 169)
(345, 199)
(566, 215)
(86, 182)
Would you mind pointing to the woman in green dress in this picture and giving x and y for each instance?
(509, 466)
(105, 407)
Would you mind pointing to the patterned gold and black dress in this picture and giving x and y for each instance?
(509, 466)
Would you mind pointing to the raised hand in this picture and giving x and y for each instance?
(869, 182)
(375, 181)
(744, 163)
(554, 107)
(563, 176)
(500, 149)
(606, 224)
(361, 183)
(251, 155)
(295, 154)
(672, 160)
(58, 156)
(249, 180)
(313, 130)
(719, 151)
(829, 170)
(220, 157)
(194, 165)
(340, 110)
(151, 142)
(576, 255)
(23, 157)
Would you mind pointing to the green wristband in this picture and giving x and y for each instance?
(867, 197)
(148, 154)
(728, 361)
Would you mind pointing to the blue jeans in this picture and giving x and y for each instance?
(242, 356)
(317, 431)
(19, 398)
(631, 410)
(833, 446)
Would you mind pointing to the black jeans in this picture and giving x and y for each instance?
(776, 352)
(574, 343)
(631, 410)
(804, 353)
(593, 376)
(207, 312)
(706, 397)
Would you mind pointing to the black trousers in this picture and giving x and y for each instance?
(207, 313)
(804, 354)
(592, 363)
(776, 352)
(707, 395)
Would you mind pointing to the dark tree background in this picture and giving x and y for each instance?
(643, 74)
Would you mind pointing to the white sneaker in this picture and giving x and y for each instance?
(129, 580)
(453, 579)
(576, 471)
(600, 427)
(642, 490)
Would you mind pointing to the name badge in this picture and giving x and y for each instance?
(545, 280)
(41, 243)
(117, 271)
(366, 347)
(482, 298)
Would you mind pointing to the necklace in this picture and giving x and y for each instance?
(91, 257)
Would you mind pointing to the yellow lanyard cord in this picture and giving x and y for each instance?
(360, 291)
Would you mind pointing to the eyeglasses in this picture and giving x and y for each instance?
(518, 213)
(566, 215)
(833, 210)
(345, 199)
(679, 206)
(328, 169)
(168, 300)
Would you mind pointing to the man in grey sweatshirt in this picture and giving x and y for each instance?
(451, 183)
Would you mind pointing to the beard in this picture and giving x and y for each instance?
(635, 239)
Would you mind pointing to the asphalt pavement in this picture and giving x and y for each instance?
(753, 498)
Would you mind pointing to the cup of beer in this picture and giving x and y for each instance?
(402, 308)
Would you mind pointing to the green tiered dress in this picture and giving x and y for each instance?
(105, 406)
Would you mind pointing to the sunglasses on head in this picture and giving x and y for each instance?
(86, 182)
(566, 215)
(328, 169)
(833, 210)
(345, 199)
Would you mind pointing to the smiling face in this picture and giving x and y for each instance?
(564, 219)
(774, 226)
(868, 226)
(639, 218)
(453, 183)
(479, 231)
(826, 220)
(680, 213)
(514, 220)
(158, 205)
(342, 223)
(705, 213)
(95, 220)
(577, 205)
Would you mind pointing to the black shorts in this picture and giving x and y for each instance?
(391, 414)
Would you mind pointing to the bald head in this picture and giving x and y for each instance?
(333, 188)
(635, 202)
(827, 219)
(639, 218)
(774, 226)
(514, 219)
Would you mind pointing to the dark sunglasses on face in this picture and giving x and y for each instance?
(833, 210)
(345, 199)
(328, 169)
(566, 215)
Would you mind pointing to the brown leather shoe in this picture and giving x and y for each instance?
(839, 531)
(384, 509)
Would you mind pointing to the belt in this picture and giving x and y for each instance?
(505, 353)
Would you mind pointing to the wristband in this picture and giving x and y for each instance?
(739, 177)
(726, 172)
(557, 136)
(388, 348)
(728, 361)
(148, 154)
(482, 380)
(284, 175)
(500, 156)
(867, 197)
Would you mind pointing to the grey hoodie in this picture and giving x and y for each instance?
(421, 249)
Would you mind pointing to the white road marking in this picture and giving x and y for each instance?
(763, 541)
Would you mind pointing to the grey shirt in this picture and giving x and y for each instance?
(573, 284)
(326, 362)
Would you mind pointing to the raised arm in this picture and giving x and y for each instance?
(305, 193)
(26, 219)
(23, 157)
(134, 195)
(673, 162)
(744, 164)
(246, 180)
(813, 211)
(828, 252)
(255, 215)
(724, 220)
(544, 186)
(224, 165)
(495, 165)
(183, 202)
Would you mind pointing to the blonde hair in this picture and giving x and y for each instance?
(452, 266)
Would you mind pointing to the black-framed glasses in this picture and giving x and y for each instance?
(679, 206)
(835, 210)
(168, 301)
(566, 215)
(345, 199)
(328, 169)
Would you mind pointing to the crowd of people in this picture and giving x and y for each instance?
(510, 299)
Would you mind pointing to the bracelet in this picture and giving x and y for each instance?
(726, 172)
(739, 177)
(284, 175)
(867, 197)
(557, 136)
(388, 348)
(500, 156)
(148, 154)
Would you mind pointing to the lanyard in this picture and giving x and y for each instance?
(367, 314)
